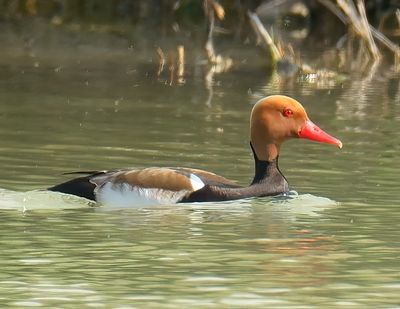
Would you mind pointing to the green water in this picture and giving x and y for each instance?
(334, 245)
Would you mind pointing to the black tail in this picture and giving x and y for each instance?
(80, 186)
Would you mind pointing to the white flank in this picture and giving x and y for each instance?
(124, 195)
(196, 182)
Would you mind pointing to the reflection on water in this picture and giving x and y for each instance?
(334, 244)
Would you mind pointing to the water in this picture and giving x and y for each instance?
(335, 244)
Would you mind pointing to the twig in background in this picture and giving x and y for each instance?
(364, 22)
(211, 7)
(359, 22)
(264, 37)
(398, 16)
(211, 23)
(209, 81)
(181, 64)
(289, 65)
(376, 33)
(385, 41)
(175, 60)
(218, 62)
(218, 9)
(161, 57)
(171, 67)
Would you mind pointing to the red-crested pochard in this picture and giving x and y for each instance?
(273, 120)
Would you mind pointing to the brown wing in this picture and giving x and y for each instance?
(173, 179)
(153, 177)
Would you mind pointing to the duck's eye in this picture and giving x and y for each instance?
(287, 112)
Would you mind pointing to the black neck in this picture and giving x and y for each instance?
(267, 172)
(264, 169)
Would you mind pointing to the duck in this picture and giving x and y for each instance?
(273, 120)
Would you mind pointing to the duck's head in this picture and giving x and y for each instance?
(277, 118)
